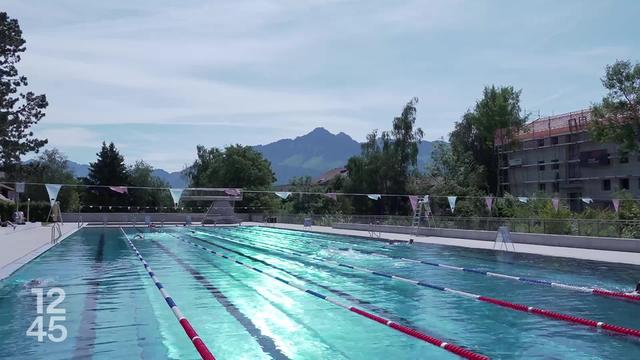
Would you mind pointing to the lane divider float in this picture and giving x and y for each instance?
(530, 281)
(460, 351)
(498, 302)
(200, 346)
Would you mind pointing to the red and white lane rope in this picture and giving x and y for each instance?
(186, 326)
(460, 351)
(506, 304)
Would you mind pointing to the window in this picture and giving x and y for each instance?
(624, 159)
(624, 184)
(555, 165)
(540, 142)
(541, 165)
(542, 187)
(554, 140)
(606, 185)
(556, 187)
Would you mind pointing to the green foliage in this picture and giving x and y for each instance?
(50, 167)
(617, 118)
(141, 175)
(19, 111)
(312, 204)
(386, 164)
(108, 169)
(472, 141)
(38, 210)
(236, 166)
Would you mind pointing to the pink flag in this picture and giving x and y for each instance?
(616, 204)
(119, 189)
(556, 203)
(489, 201)
(414, 202)
(331, 196)
(232, 192)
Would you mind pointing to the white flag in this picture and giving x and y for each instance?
(374, 196)
(523, 199)
(176, 194)
(452, 202)
(53, 190)
(282, 194)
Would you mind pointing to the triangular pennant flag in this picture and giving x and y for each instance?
(176, 194)
(556, 203)
(109, 207)
(53, 190)
(523, 199)
(282, 194)
(331, 196)
(374, 196)
(425, 199)
(414, 202)
(119, 189)
(587, 200)
(452, 202)
(616, 204)
(489, 201)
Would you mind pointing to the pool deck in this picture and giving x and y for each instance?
(568, 252)
(25, 243)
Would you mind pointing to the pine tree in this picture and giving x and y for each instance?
(18, 110)
(109, 168)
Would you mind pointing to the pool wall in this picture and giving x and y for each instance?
(583, 242)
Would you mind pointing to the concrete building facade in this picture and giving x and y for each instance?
(555, 156)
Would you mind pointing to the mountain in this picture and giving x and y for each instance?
(316, 152)
(174, 179)
(307, 155)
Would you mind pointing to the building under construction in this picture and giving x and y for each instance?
(555, 155)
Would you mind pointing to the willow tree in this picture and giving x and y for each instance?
(19, 110)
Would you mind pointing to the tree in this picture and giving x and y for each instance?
(108, 169)
(617, 118)
(236, 166)
(386, 164)
(18, 110)
(474, 135)
(141, 175)
(51, 167)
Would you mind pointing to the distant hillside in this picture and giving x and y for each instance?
(175, 179)
(316, 152)
(307, 155)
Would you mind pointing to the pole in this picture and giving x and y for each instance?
(28, 206)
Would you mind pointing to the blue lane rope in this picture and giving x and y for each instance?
(498, 302)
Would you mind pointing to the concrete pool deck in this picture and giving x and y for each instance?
(25, 243)
(622, 257)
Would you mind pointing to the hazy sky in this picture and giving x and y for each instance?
(158, 77)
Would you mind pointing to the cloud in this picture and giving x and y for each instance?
(70, 137)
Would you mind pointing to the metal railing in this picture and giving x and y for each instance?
(569, 226)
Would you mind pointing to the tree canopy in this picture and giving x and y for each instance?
(473, 137)
(617, 118)
(19, 110)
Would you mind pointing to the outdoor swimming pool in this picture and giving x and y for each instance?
(114, 310)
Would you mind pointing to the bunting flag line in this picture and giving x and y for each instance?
(452, 202)
(282, 194)
(414, 202)
(616, 204)
(556, 203)
(374, 196)
(587, 200)
(523, 199)
(489, 201)
(119, 189)
(176, 194)
(331, 196)
(53, 190)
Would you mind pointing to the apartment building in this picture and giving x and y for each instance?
(555, 156)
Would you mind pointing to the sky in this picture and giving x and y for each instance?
(159, 77)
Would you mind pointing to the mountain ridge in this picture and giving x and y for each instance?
(310, 154)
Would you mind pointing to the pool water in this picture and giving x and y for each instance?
(114, 310)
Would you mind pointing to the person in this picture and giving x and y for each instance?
(637, 292)
(410, 241)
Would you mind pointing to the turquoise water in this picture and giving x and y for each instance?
(113, 309)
